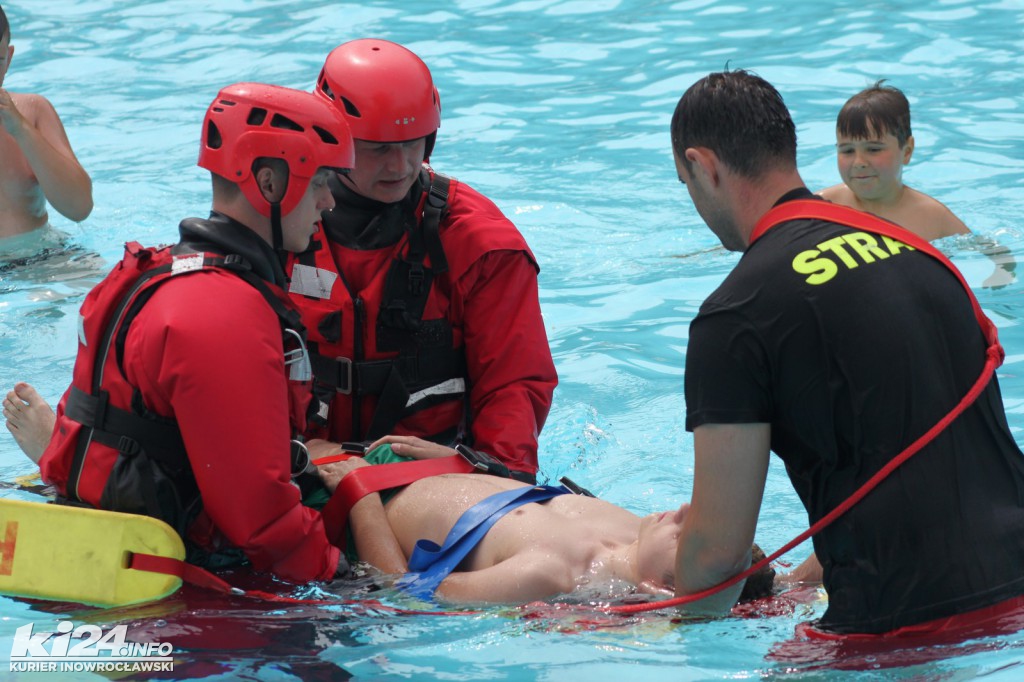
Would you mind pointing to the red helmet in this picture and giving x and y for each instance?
(384, 90)
(248, 121)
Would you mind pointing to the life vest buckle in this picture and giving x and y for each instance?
(233, 261)
(127, 446)
(416, 277)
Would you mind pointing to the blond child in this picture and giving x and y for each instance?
(38, 163)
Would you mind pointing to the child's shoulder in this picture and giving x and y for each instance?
(30, 103)
(932, 215)
(839, 194)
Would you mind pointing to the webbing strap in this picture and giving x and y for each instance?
(431, 563)
(365, 480)
(821, 210)
(189, 573)
(810, 209)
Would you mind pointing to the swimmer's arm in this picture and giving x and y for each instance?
(45, 144)
(1002, 258)
(521, 578)
(731, 464)
(375, 541)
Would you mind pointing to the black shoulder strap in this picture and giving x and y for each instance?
(435, 208)
(131, 431)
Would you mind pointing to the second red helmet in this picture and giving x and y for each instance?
(384, 90)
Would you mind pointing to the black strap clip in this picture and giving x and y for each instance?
(482, 462)
(575, 488)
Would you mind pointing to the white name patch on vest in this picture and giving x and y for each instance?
(186, 263)
(311, 281)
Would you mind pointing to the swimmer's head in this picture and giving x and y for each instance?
(875, 112)
(741, 118)
(5, 26)
(758, 585)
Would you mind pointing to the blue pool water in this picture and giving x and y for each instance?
(559, 111)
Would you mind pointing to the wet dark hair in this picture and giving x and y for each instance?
(877, 110)
(758, 585)
(741, 118)
(5, 26)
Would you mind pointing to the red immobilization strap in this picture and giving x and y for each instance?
(811, 209)
(365, 480)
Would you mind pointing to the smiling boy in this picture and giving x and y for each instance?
(873, 144)
(554, 544)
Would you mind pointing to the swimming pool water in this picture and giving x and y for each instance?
(559, 111)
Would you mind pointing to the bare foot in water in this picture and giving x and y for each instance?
(29, 419)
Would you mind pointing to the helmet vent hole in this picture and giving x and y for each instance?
(256, 116)
(325, 88)
(280, 121)
(213, 138)
(350, 108)
(325, 135)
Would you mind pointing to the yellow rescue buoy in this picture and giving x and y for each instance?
(63, 553)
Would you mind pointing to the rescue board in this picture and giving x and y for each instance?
(73, 554)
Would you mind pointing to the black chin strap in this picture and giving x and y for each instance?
(276, 232)
(277, 235)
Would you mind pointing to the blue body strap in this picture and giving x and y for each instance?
(430, 563)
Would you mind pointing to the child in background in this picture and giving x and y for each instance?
(38, 165)
(873, 144)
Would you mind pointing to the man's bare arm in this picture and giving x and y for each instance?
(729, 474)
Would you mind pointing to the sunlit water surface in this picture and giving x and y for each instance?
(559, 111)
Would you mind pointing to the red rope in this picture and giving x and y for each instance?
(363, 481)
(994, 354)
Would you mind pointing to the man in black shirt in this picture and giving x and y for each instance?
(837, 342)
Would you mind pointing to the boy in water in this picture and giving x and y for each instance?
(542, 549)
(873, 144)
(38, 163)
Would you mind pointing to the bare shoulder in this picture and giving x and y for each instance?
(839, 194)
(34, 107)
(934, 219)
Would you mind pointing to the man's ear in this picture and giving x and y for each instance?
(703, 160)
(270, 183)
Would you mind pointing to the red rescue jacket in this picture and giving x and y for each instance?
(438, 335)
(114, 447)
